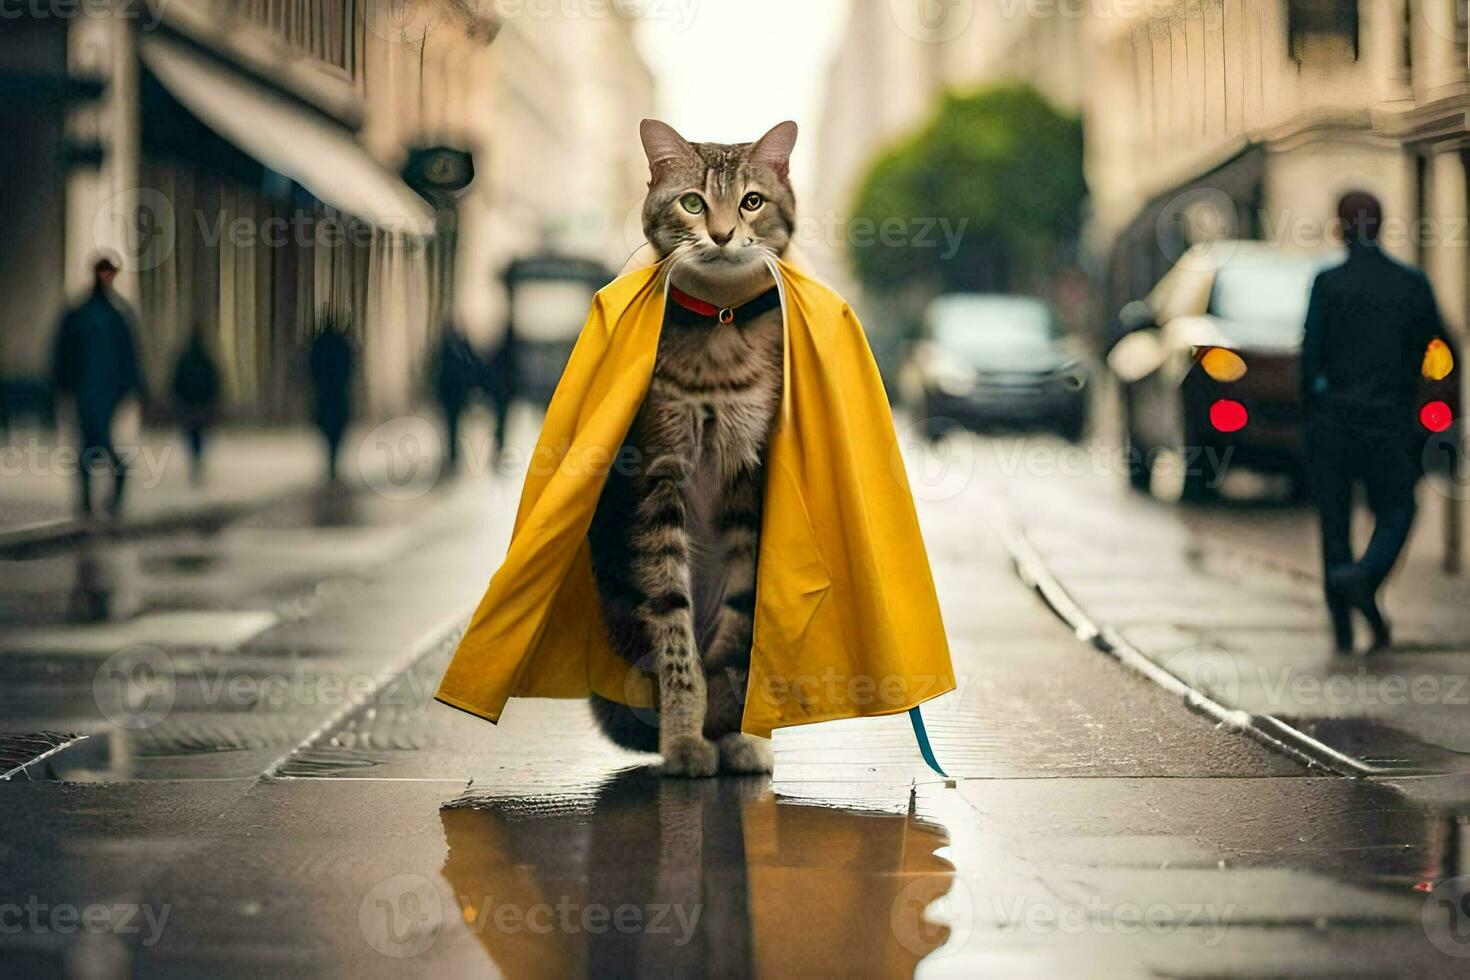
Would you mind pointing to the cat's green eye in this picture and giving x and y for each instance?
(752, 201)
(692, 203)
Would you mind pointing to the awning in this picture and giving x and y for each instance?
(286, 136)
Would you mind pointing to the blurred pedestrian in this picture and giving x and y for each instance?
(457, 372)
(95, 365)
(1369, 323)
(331, 362)
(502, 386)
(196, 397)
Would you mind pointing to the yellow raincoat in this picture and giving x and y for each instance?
(846, 622)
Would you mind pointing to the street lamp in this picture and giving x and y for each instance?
(440, 175)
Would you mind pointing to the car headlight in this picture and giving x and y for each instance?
(956, 385)
(951, 375)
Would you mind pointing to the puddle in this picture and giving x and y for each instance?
(222, 630)
(314, 765)
(693, 877)
(1380, 745)
(96, 584)
(111, 581)
(340, 507)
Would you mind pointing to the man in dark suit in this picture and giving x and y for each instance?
(95, 363)
(1368, 325)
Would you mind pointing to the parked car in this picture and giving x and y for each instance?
(990, 362)
(1210, 366)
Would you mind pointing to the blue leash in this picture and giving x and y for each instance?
(922, 735)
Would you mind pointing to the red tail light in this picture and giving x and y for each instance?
(1228, 416)
(1436, 416)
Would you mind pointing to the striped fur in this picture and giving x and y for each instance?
(675, 537)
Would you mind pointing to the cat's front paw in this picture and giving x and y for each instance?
(746, 754)
(690, 756)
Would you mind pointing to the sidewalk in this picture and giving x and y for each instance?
(245, 468)
(1090, 826)
(397, 458)
(1426, 605)
(1227, 599)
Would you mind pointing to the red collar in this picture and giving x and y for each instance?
(692, 304)
(691, 309)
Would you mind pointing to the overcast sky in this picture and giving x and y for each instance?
(728, 70)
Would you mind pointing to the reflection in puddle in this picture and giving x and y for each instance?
(104, 588)
(1377, 743)
(693, 877)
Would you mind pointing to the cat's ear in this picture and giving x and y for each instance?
(662, 144)
(774, 149)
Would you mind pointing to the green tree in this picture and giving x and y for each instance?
(1002, 168)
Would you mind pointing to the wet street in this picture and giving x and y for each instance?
(292, 286)
(224, 759)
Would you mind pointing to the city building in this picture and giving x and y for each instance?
(1261, 113)
(565, 168)
(244, 160)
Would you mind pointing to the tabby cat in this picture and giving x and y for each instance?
(674, 538)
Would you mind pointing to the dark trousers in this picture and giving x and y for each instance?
(333, 413)
(1382, 461)
(194, 437)
(501, 402)
(98, 455)
(332, 443)
(453, 410)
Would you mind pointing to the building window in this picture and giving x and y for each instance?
(322, 29)
(1409, 37)
(1322, 29)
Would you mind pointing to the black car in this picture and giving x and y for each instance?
(989, 362)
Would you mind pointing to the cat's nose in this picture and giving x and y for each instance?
(721, 238)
